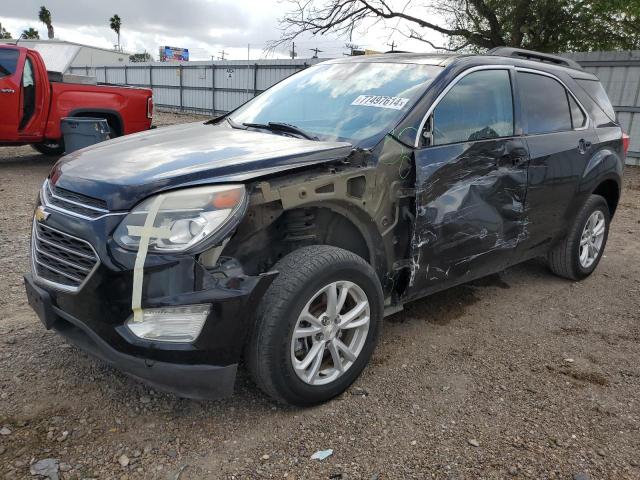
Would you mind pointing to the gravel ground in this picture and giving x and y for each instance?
(520, 375)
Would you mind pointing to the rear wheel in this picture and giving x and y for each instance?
(317, 325)
(580, 252)
(50, 147)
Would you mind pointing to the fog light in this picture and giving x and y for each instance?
(170, 324)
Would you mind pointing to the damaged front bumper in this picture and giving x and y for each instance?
(94, 317)
(197, 381)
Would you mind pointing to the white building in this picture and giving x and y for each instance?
(60, 55)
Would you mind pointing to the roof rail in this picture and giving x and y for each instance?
(537, 56)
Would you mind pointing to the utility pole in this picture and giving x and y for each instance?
(315, 51)
(222, 55)
(293, 50)
(392, 45)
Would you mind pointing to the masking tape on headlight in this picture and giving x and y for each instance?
(146, 233)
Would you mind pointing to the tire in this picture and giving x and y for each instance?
(271, 349)
(565, 259)
(51, 147)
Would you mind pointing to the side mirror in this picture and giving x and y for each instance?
(427, 132)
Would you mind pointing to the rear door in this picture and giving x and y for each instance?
(10, 81)
(471, 183)
(560, 142)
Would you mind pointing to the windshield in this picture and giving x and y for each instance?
(343, 101)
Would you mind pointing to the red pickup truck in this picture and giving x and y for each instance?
(33, 101)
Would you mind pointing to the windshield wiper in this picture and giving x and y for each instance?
(282, 127)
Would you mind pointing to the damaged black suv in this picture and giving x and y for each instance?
(281, 234)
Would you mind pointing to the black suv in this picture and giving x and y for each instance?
(281, 234)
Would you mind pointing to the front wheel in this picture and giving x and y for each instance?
(50, 147)
(578, 255)
(316, 327)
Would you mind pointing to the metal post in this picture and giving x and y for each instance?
(126, 82)
(255, 79)
(213, 89)
(105, 74)
(151, 75)
(86, 70)
(181, 108)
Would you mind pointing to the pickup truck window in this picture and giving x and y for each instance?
(8, 62)
(342, 101)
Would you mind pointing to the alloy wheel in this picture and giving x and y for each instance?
(330, 333)
(592, 238)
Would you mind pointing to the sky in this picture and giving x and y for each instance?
(205, 27)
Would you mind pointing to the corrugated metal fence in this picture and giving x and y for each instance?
(201, 87)
(218, 87)
(619, 73)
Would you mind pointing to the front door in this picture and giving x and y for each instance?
(10, 85)
(471, 181)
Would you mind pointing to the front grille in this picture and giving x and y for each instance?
(61, 258)
(73, 203)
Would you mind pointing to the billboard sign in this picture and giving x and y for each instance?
(173, 54)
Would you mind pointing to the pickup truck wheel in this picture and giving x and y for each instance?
(50, 147)
(316, 327)
(578, 255)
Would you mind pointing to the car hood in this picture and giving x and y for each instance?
(126, 170)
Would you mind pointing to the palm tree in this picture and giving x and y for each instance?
(3, 33)
(31, 33)
(114, 23)
(45, 17)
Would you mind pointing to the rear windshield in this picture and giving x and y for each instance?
(596, 92)
(8, 62)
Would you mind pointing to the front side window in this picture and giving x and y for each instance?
(8, 62)
(342, 101)
(545, 103)
(478, 107)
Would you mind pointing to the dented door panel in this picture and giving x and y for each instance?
(470, 211)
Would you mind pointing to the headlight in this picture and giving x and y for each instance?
(179, 220)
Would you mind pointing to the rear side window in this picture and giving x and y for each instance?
(598, 95)
(8, 62)
(545, 103)
(578, 117)
(478, 107)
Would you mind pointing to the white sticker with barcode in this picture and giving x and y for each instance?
(380, 101)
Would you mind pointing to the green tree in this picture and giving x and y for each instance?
(114, 24)
(544, 25)
(44, 16)
(140, 57)
(32, 33)
(3, 33)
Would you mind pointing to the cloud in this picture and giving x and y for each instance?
(204, 26)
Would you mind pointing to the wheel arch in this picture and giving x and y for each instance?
(113, 117)
(347, 222)
(610, 190)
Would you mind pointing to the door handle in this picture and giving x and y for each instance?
(583, 146)
(7, 90)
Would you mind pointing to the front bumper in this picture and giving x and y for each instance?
(196, 381)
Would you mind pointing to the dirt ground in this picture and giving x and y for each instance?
(520, 375)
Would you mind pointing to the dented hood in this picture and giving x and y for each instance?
(126, 170)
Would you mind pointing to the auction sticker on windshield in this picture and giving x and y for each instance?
(381, 101)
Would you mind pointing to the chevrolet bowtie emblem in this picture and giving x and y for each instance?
(41, 214)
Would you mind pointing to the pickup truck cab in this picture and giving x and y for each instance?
(280, 235)
(33, 101)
